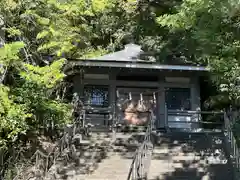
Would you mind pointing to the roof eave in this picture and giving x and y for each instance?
(136, 65)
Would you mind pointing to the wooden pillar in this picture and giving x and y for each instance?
(195, 102)
(78, 85)
(195, 94)
(112, 87)
(161, 103)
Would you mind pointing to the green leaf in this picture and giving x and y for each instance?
(42, 34)
(43, 21)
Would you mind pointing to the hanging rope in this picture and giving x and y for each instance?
(136, 112)
(141, 95)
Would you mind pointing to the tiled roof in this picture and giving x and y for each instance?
(132, 56)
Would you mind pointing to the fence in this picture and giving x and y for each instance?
(213, 120)
(194, 120)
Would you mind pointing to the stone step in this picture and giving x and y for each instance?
(176, 156)
(188, 156)
(114, 167)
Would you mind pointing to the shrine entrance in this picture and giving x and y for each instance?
(136, 103)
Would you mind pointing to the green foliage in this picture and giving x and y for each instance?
(212, 26)
(9, 53)
(26, 97)
(22, 105)
(12, 116)
(44, 77)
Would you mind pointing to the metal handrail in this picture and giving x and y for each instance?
(142, 157)
(234, 148)
(194, 112)
(196, 116)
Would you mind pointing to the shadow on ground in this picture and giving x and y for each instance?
(189, 156)
(81, 158)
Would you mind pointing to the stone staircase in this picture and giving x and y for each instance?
(113, 168)
(81, 158)
(176, 156)
(113, 164)
(117, 164)
(191, 156)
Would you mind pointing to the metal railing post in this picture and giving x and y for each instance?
(234, 150)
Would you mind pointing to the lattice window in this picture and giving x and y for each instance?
(178, 98)
(96, 95)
